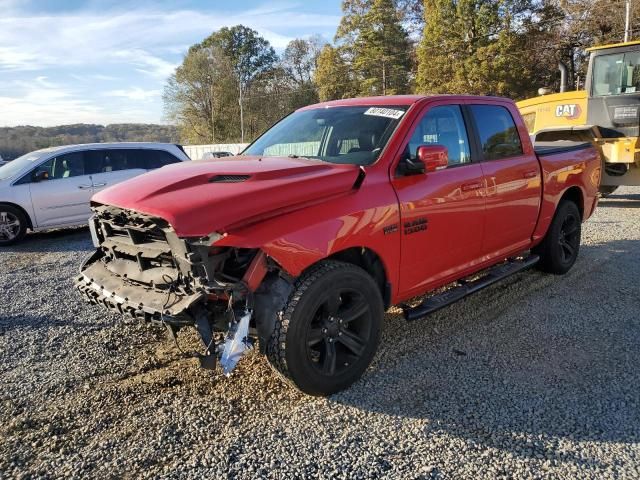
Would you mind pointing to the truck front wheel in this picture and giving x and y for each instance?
(328, 332)
(559, 249)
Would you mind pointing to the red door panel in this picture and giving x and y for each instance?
(453, 220)
(513, 179)
(512, 204)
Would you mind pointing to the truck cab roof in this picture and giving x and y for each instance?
(401, 100)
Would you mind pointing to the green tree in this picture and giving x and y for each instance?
(382, 59)
(200, 97)
(250, 55)
(332, 76)
(437, 50)
(231, 86)
(512, 48)
(476, 47)
(208, 96)
(372, 55)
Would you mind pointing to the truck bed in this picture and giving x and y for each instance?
(566, 164)
(559, 146)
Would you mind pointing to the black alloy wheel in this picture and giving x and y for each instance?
(328, 332)
(569, 238)
(559, 249)
(339, 331)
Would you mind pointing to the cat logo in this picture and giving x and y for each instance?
(568, 110)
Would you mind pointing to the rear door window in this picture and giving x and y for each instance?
(157, 158)
(499, 136)
(113, 160)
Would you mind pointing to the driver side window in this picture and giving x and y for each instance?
(64, 166)
(444, 126)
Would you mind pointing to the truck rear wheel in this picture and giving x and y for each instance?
(559, 249)
(329, 329)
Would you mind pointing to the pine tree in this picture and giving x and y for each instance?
(372, 55)
(383, 54)
(332, 75)
(483, 47)
(438, 53)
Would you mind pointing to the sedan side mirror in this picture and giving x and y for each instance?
(40, 175)
(433, 156)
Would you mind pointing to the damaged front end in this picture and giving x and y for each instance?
(142, 269)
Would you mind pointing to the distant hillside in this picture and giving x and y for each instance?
(16, 141)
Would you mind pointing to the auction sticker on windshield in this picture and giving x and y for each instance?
(385, 112)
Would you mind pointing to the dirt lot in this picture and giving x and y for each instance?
(536, 377)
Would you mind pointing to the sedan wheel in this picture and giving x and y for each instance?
(12, 225)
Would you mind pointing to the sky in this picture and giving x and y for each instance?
(107, 61)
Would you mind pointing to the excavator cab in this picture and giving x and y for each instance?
(613, 105)
(606, 112)
(613, 88)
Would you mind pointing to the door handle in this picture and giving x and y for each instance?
(84, 187)
(530, 174)
(99, 184)
(467, 187)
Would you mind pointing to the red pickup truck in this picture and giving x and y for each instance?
(337, 212)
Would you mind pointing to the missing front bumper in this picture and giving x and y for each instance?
(142, 269)
(173, 310)
(101, 287)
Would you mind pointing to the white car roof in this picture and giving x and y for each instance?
(43, 153)
(83, 146)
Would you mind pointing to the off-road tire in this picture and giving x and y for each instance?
(10, 213)
(290, 350)
(559, 249)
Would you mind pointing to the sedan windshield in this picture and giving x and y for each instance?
(354, 135)
(16, 166)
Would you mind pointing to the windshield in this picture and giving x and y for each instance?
(354, 135)
(616, 74)
(16, 166)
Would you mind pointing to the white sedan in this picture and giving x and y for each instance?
(51, 188)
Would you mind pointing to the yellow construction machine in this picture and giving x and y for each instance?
(606, 112)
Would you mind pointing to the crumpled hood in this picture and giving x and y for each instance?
(201, 197)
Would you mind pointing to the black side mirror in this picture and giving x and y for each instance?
(40, 175)
(408, 166)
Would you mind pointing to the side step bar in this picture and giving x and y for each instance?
(454, 294)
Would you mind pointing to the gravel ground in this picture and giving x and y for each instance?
(538, 376)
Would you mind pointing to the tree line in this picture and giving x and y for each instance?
(16, 141)
(232, 85)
